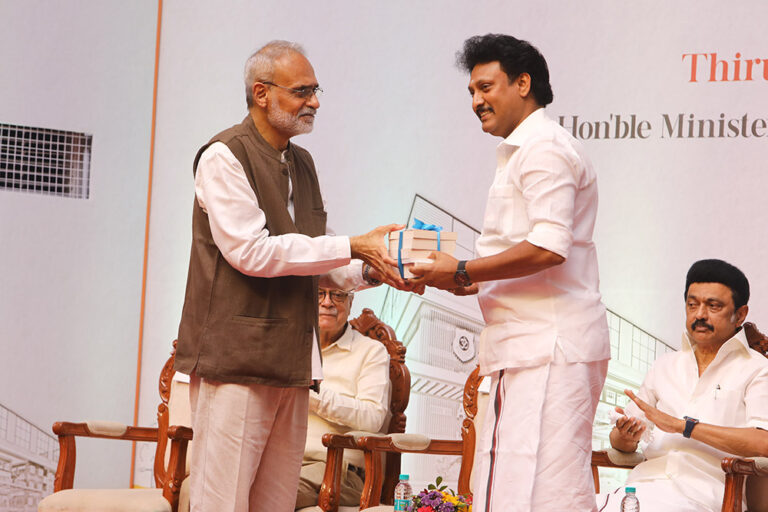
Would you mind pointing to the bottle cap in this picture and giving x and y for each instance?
(630, 489)
(403, 476)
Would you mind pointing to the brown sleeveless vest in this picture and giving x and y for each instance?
(238, 328)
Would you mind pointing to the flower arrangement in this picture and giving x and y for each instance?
(437, 498)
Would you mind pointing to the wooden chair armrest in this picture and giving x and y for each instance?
(401, 443)
(105, 430)
(744, 466)
(616, 459)
(67, 432)
(736, 469)
(340, 441)
(179, 432)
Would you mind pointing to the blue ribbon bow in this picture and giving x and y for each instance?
(417, 224)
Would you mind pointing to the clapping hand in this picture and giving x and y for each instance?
(629, 429)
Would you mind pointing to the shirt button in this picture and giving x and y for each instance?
(285, 172)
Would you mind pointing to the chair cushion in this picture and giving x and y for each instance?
(107, 428)
(357, 434)
(105, 500)
(410, 441)
(624, 458)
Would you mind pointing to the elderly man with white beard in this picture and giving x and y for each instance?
(248, 332)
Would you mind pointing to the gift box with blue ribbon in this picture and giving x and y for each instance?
(414, 245)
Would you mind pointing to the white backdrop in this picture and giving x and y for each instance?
(396, 120)
(70, 269)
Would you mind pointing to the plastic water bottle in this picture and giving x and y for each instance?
(629, 502)
(403, 493)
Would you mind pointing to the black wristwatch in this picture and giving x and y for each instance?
(689, 424)
(461, 277)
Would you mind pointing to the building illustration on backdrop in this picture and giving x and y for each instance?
(28, 459)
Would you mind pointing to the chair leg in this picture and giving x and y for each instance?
(596, 478)
(373, 480)
(330, 491)
(390, 479)
(734, 485)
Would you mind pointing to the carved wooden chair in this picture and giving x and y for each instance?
(374, 446)
(737, 469)
(400, 378)
(169, 467)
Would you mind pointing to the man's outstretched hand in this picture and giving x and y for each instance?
(371, 249)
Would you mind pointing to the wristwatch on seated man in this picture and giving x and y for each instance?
(461, 277)
(689, 424)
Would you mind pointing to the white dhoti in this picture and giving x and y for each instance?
(535, 448)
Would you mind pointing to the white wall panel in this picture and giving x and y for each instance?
(70, 275)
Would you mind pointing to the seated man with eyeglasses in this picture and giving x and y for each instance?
(354, 395)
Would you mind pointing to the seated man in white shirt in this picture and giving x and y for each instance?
(699, 405)
(354, 395)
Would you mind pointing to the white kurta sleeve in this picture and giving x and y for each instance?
(348, 277)
(548, 184)
(238, 225)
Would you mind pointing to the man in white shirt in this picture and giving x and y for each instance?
(696, 406)
(354, 395)
(247, 333)
(545, 343)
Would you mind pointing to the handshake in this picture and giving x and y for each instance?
(436, 268)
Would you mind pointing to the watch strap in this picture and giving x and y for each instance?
(367, 277)
(689, 424)
(461, 277)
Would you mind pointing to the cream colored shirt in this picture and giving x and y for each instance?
(545, 192)
(354, 394)
(732, 392)
(238, 226)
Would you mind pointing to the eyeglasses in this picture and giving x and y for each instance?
(304, 93)
(337, 296)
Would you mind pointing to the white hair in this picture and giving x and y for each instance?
(261, 65)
